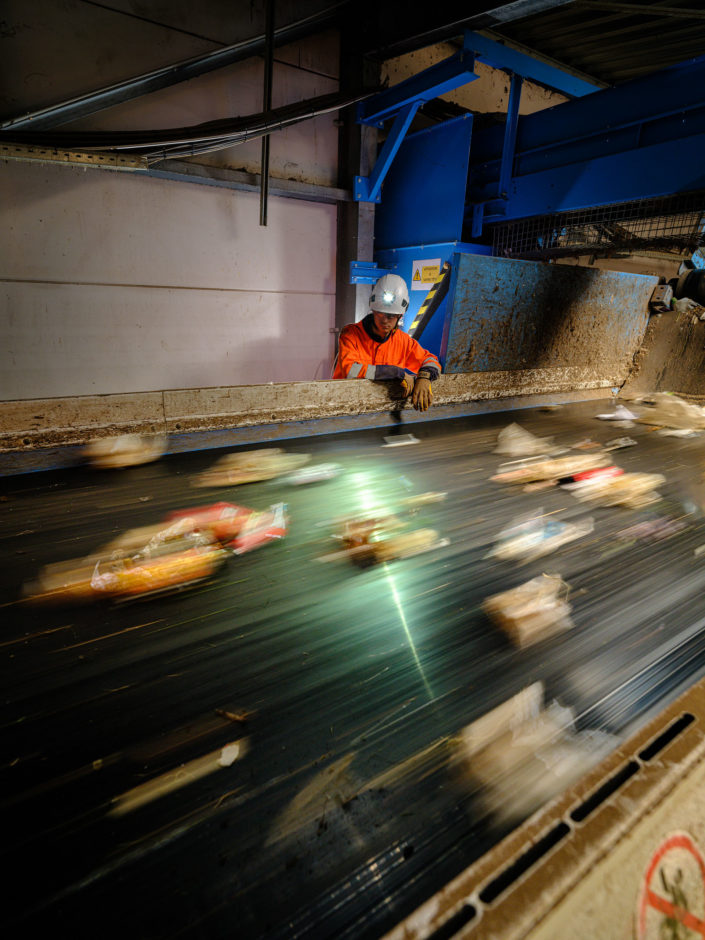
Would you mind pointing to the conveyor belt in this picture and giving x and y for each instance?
(339, 818)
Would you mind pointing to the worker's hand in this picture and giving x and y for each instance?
(407, 385)
(422, 396)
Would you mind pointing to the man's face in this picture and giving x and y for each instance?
(384, 322)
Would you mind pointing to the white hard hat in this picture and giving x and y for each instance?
(390, 295)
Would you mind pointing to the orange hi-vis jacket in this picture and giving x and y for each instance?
(359, 354)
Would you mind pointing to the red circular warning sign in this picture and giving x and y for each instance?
(672, 899)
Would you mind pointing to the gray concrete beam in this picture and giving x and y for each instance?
(31, 424)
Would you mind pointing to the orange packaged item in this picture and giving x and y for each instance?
(223, 520)
(130, 578)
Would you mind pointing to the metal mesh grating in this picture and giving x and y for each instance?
(672, 225)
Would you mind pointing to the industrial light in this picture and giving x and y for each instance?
(388, 296)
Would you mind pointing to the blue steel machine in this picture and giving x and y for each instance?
(449, 191)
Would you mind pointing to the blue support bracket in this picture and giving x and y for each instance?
(510, 136)
(437, 80)
(480, 209)
(365, 272)
(367, 188)
(478, 217)
(403, 100)
(500, 56)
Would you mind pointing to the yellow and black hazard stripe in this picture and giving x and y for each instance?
(431, 302)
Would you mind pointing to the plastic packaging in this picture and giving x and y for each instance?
(250, 467)
(126, 450)
(633, 490)
(532, 537)
(532, 611)
(516, 441)
(527, 471)
(670, 411)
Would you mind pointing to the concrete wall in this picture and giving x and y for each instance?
(111, 283)
(114, 283)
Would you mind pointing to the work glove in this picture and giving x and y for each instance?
(407, 385)
(422, 395)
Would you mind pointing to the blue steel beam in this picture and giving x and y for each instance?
(510, 136)
(500, 56)
(659, 170)
(635, 141)
(480, 209)
(670, 91)
(404, 100)
(367, 188)
(437, 80)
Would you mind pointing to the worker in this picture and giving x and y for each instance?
(376, 348)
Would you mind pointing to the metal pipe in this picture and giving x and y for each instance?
(266, 107)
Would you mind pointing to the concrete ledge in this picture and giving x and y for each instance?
(55, 422)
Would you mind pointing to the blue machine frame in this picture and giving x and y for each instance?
(641, 139)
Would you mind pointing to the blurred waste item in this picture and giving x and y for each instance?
(160, 566)
(664, 409)
(516, 441)
(260, 528)
(653, 530)
(587, 444)
(173, 571)
(250, 467)
(677, 432)
(399, 440)
(539, 486)
(601, 473)
(149, 539)
(620, 413)
(531, 470)
(619, 442)
(315, 474)
(532, 611)
(240, 717)
(369, 540)
(520, 755)
(536, 535)
(223, 520)
(632, 490)
(414, 503)
(687, 305)
(126, 450)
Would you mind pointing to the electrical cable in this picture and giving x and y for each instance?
(185, 141)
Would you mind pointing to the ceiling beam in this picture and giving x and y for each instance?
(642, 9)
(94, 101)
(394, 31)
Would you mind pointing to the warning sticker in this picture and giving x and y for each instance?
(424, 273)
(672, 899)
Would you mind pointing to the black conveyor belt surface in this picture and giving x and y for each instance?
(337, 818)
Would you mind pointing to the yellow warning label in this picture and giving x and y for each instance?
(425, 271)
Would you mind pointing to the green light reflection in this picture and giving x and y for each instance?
(405, 625)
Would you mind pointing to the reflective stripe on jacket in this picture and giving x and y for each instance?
(359, 353)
